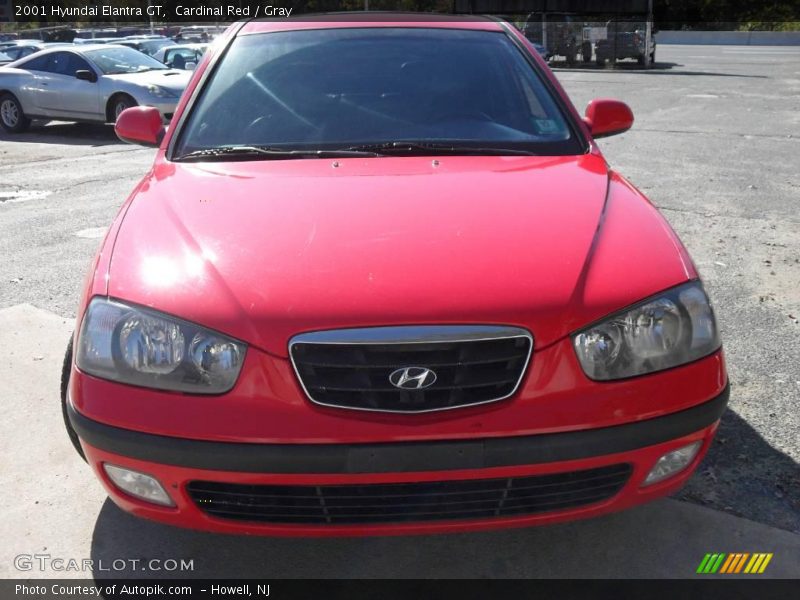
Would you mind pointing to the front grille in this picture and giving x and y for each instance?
(408, 502)
(354, 368)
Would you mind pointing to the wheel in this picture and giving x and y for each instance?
(601, 62)
(586, 52)
(66, 369)
(12, 118)
(120, 103)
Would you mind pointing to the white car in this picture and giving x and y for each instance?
(147, 45)
(85, 83)
(184, 56)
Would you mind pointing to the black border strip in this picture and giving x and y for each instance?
(396, 457)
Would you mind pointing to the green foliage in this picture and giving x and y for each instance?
(748, 15)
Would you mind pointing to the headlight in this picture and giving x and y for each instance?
(159, 92)
(143, 347)
(671, 329)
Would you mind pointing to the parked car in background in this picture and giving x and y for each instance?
(198, 33)
(85, 83)
(381, 280)
(147, 46)
(181, 56)
(98, 40)
(10, 43)
(624, 39)
(557, 33)
(22, 50)
(541, 50)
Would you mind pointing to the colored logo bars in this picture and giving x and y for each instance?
(735, 563)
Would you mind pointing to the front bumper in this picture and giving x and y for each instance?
(166, 106)
(176, 462)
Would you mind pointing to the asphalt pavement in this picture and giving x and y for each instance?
(715, 146)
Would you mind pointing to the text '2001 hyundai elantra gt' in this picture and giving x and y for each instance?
(380, 280)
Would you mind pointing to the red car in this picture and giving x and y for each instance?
(381, 280)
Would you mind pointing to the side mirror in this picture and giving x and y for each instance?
(606, 117)
(85, 75)
(140, 125)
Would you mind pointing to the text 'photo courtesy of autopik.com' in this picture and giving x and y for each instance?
(400, 298)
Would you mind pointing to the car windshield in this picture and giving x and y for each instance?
(4, 56)
(116, 60)
(152, 46)
(362, 88)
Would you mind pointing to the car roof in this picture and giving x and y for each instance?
(77, 48)
(7, 46)
(375, 20)
(189, 46)
(25, 42)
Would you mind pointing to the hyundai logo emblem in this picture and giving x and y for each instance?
(412, 378)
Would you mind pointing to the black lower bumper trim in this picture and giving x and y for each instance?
(397, 457)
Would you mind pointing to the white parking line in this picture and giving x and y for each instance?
(9, 197)
(91, 233)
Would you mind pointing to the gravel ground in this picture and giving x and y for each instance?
(715, 147)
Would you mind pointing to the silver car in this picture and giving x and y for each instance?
(85, 83)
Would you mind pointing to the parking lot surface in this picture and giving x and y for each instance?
(715, 146)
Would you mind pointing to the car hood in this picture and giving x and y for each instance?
(265, 250)
(174, 80)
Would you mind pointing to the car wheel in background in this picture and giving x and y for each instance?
(586, 52)
(65, 371)
(119, 103)
(12, 118)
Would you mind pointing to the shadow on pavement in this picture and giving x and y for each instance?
(658, 68)
(745, 476)
(72, 134)
(666, 538)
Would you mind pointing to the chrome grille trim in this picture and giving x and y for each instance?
(412, 334)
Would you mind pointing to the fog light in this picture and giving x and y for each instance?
(139, 485)
(672, 463)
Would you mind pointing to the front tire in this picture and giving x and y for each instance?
(66, 369)
(12, 117)
(586, 52)
(119, 103)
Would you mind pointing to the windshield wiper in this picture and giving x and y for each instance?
(269, 153)
(431, 148)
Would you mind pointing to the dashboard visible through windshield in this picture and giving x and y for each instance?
(378, 91)
(114, 61)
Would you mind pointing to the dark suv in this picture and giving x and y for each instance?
(625, 39)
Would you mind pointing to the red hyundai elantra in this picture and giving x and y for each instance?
(380, 280)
